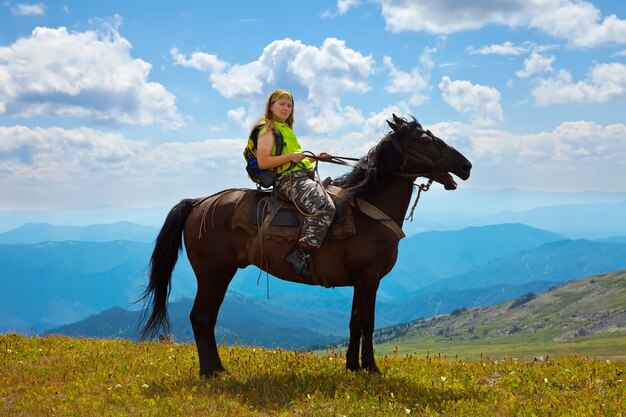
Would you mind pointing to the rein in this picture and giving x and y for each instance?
(407, 154)
(339, 160)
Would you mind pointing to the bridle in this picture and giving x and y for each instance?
(407, 155)
(411, 154)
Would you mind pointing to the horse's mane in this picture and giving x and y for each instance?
(369, 170)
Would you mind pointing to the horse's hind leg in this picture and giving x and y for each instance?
(352, 356)
(212, 286)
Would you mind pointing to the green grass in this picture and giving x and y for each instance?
(50, 376)
(524, 347)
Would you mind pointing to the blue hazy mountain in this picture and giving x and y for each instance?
(241, 319)
(430, 256)
(50, 284)
(554, 262)
(53, 283)
(589, 214)
(43, 232)
(423, 259)
(583, 220)
(437, 210)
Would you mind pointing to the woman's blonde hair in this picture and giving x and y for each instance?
(267, 116)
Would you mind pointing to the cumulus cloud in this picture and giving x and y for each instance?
(604, 83)
(482, 103)
(575, 156)
(506, 48)
(416, 83)
(579, 22)
(42, 165)
(73, 166)
(199, 60)
(237, 115)
(570, 142)
(25, 9)
(536, 64)
(60, 167)
(55, 72)
(317, 76)
(57, 154)
(342, 8)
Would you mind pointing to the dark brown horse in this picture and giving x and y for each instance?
(383, 178)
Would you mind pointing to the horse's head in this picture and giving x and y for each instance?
(419, 153)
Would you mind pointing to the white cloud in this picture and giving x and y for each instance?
(56, 166)
(317, 76)
(579, 22)
(344, 5)
(41, 166)
(480, 102)
(506, 48)
(604, 83)
(24, 9)
(199, 60)
(342, 8)
(416, 82)
(237, 115)
(57, 154)
(575, 156)
(54, 72)
(536, 64)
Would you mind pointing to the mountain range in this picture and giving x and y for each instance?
(590, 312)
(72, 286)
(587, 214)
(43, 232)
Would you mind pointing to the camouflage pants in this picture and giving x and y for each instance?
(312, 199)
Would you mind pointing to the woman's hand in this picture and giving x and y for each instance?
(296, 157)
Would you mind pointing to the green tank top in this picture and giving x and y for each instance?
(291, 145)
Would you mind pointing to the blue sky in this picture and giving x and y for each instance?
(142, 103)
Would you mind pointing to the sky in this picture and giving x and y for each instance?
(140, 104)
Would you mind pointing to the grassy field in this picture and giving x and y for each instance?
(59, 376)
(524, 347)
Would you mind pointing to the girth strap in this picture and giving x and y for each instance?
(376, 214)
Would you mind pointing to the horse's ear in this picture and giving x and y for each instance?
(397, 122)
(393, 126)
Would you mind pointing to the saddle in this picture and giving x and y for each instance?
(254, 206)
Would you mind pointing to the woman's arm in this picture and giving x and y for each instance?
(264, 155)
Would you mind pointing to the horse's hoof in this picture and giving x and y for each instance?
(372, 369)
(354, 367)
(212, 373)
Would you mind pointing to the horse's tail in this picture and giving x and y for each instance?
(166, 249)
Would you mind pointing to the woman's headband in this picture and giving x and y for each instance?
(278, 94)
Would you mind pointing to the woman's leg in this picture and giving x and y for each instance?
(311, 198)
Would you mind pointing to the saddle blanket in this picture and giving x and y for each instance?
(254, 206)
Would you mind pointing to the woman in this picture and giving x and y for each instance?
(295, 178)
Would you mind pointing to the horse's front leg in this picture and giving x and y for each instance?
(352, 356)
(366, 291)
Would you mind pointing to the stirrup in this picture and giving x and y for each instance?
(298, 259)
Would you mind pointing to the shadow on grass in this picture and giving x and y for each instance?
(270, 392)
